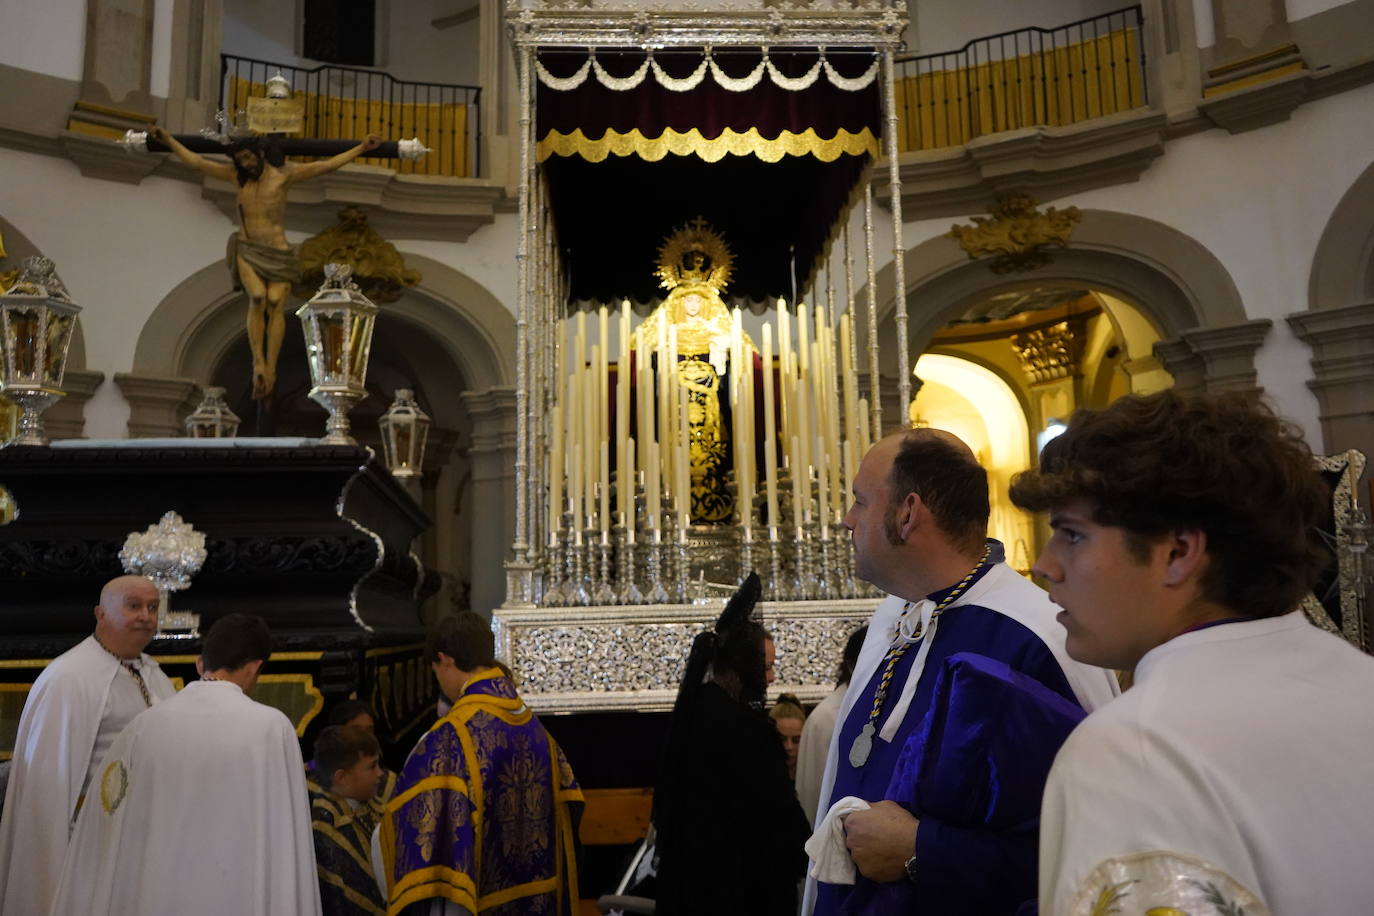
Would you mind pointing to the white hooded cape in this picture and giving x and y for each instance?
(52, 752)
(199, 807)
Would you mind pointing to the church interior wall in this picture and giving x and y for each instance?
(409, 45)
(938, 27)
(1204, 23)
(47, 37)
(1301, 9)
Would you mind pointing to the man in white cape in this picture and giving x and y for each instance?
(78, 705)
(1234, 776)
(200, 806)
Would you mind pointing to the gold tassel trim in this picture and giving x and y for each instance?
(692, 143)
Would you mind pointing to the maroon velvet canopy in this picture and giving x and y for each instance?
(770, 167)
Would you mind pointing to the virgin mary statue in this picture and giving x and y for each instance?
(694, 265)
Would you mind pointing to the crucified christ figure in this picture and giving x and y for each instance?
(260, 260)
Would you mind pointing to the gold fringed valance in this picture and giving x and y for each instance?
(692, 143)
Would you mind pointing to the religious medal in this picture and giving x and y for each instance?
(862, 746)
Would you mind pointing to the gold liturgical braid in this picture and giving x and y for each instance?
(863, 742)
(127, 665)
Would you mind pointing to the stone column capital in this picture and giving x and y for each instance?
(67, 418)
(493, 419)
(1179, 360)
(1342, 342)
(158, 405)
(1228, 354)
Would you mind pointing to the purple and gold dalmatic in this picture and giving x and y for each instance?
(481, 812)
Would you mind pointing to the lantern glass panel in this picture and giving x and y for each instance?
(331, 331)
(359, 345)
(405, 455)
(24, 324)
(417, 454)
(59, 336)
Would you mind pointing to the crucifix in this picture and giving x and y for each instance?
(259, 258)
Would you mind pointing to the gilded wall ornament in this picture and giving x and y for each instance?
(1016, 234)
(7, 277)
(1051, 353)
(378, 268)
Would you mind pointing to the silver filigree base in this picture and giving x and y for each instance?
(338, 401)
(33, 400)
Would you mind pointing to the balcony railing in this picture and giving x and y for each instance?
(1026, 78)
(345, 103)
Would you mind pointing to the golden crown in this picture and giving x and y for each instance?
(695, 253)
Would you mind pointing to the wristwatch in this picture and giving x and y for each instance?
(910, 868)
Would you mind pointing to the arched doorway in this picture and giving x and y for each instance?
(1132, 305)
(976, 404)
(1007, 373)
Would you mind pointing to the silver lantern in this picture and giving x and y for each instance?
(212, 419)
(36, 320)
(338, 339)
(405, 429)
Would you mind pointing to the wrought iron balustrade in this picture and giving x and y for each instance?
(1024, 78)
(349, 103)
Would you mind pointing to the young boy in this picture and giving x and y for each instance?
(342, 818)
(1234, 776)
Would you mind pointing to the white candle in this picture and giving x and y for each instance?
(823, 501)
(747, 429)
(574, 436)
(684, 459)
(555, 472)
(622, 385)
(644, 397)
(785, 406)
(602, 370)
(800, 485)
(627, 507)
(667, 380)
(653, 506)
(770, 452)
(605, 491)
(804, 399)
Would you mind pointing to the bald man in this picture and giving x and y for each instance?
(78, 705)
(957, 615)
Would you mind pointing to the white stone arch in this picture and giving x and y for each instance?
(1343, 264)
(1339, 322)
(202, 317)
(1182, 289)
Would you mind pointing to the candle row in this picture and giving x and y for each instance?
(814, 423)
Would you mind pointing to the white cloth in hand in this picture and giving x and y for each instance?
(830, 861)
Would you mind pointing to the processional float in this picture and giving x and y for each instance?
(697, 282)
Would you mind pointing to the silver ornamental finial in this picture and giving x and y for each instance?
(169, 553)
(38, 277)
(338, 275)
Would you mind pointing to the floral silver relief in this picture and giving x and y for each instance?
(633, 658)
(169, 553)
